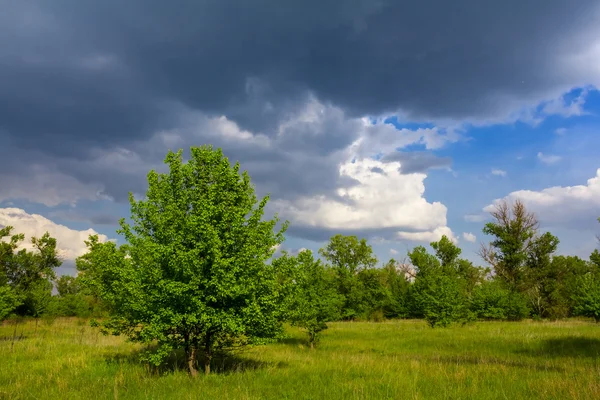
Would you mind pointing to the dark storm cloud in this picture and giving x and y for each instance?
(82, 79)
(76, 216)
(417, 161)
(77, 73)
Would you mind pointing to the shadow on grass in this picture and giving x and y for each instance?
(13, 338)
(295, 341)
(565, 347)
(487, 361)
(222, 363)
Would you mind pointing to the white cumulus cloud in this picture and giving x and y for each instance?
(377, 200)
(562, 205)
(475, 217)
(498, 172)
(429, 236)
(70, 242)
(469, 237)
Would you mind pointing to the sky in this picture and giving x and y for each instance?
(396, 121)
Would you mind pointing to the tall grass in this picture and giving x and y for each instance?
(66, 359)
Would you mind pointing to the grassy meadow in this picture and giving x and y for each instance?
(67, 359)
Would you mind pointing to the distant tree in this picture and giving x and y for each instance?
(440, 293)
(39, 300)
(374, 294)
(72, 298)
(67, 285)
(314, 300)
(595, 257)
(194, 272)
(398, 287)
(9, 300)
(491, 300)
(586, 297)
(29, 273)
(513, 230)
(349, 256)
(538, 277)
(585, 292)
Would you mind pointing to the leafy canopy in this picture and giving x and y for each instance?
(314, 300)
(193, 273)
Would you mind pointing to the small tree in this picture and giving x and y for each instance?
(194, 271)
(314, 300)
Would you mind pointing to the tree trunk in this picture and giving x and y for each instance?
(191, 356)
(207, 356)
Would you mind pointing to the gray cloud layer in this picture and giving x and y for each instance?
(83, 81)
(106, 71)
(417, 161)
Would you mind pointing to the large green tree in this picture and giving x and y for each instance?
(194, 273)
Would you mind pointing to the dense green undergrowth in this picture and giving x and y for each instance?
(67, 359)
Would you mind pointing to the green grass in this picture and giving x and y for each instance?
(390, 360)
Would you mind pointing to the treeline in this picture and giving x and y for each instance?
(524, 279)
(198, 272)
(29, 286)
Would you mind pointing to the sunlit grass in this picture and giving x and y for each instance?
(390, 360)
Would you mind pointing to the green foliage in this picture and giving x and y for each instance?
(9, 300)
(73, 300)
(441, 298)
(349, 257)
(349, 254)
(513, 229)
(397, 289)
(314, 300)
(492, 301)
(28, 274)
(556, 283)
(440, 292)
(587, 297)
(38, 300)
(446, 251)
(194, 271)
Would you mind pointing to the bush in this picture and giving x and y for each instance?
(491, 301)
(587, 297)
(517, 307)
(442, 300)
(376, 316)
